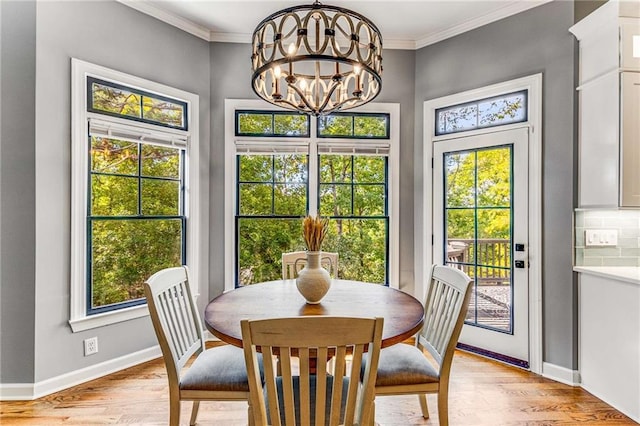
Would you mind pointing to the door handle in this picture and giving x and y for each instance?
(519, 264)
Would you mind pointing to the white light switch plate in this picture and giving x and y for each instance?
(601, 237)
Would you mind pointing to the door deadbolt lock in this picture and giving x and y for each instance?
(519, 263)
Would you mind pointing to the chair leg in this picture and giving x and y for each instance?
(423, 405)
(194, 412)
(174, 410)
(372, 417)
(443, 406)
(252, 421)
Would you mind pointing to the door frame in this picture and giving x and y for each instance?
(423, 205)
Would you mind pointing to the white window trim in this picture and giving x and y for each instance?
(79, 320)
(424, 222)
(231, 105)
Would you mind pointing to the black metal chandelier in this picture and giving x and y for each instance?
(316, 59)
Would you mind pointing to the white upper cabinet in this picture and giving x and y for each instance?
(609, 106)
(630, 139)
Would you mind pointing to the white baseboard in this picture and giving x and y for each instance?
(635, 416)
(16, 391)
(561, 374)
(30, 391)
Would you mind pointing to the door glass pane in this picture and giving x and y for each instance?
(494, 177)
(460, 182)
(478, 214)
(489, 112)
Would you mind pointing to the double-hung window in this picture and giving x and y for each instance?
(134, 152)
(281, 166)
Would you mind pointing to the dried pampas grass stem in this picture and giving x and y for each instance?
(314, 230)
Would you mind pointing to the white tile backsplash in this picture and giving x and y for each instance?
(627, 251)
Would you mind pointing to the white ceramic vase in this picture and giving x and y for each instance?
(313, 280)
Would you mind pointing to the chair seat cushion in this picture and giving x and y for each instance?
(217, 369)
(404, 364)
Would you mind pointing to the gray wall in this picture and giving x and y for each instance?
(230, 79)
(397, 87)
(115, 36)
(17, 191)
(528, 43)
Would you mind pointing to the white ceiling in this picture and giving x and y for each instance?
(405, 24)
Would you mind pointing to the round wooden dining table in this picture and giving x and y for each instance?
(403, 314)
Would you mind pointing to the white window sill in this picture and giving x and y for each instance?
(108, 318)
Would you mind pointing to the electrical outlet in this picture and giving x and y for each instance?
(601, 237)
(90, 346)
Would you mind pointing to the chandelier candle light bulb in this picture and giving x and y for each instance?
(276, 78)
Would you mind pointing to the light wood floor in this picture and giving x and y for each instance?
(482, 393)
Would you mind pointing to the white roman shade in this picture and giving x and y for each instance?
(131, 132)
(269, 148)
(373, 149)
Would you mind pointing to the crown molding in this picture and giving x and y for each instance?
(148, 8)
(512, 8)
(230, 37)
(398, 44)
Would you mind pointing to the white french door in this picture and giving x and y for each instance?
(480, 224)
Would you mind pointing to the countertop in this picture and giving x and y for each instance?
(630, 274)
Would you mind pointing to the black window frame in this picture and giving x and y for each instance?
(353, 116)
(353, 184)
(141, 93)
(90, 219)
(273, 114)
(238, 217)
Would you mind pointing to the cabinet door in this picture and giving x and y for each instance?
(630, 140)
(630, 45)
(599, 143)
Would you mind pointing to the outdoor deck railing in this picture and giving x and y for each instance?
(492, 256)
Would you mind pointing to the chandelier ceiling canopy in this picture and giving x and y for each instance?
(316, 59)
